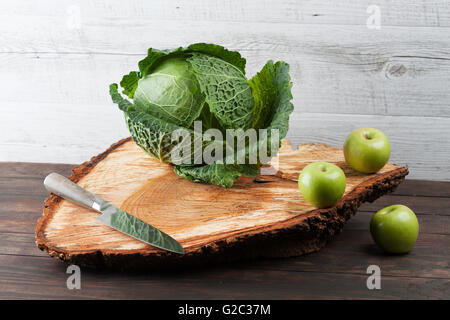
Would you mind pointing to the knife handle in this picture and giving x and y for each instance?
(63, 187)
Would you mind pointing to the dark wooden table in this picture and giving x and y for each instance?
(338, 271)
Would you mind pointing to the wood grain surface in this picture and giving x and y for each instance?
(258, 217)
(337, 271)
(57, 60)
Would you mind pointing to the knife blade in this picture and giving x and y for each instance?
(111, 215)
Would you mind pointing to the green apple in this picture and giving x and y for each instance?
(322, 184)
(395, 228)
(367, 150)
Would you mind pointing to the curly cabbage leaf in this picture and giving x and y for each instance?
(226, 89)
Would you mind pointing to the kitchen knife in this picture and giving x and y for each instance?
(111, 216)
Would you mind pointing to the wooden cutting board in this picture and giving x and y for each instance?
(258, 217)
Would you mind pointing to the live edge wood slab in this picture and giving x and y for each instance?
(258, 217)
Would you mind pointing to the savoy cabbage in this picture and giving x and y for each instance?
(173, 89)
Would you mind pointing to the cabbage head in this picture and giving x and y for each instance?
(174, 89)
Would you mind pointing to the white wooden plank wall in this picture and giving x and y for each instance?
(57, 59)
